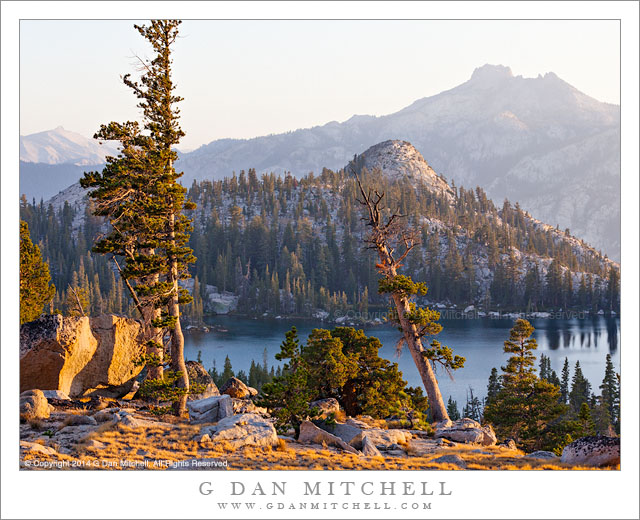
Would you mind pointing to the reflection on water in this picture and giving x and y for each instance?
(480, 341)
(612, 334)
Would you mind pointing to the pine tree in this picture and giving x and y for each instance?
(585, 419)
(564, 383)
(227, 372)
(494, 385)
(328, 367)
(452, 409)
(610, 392)
(525, 405)
(393, 243)
(140, 193)
(374, 386)
(35, 288)
(287, 396)
(580, 389)
(520, 365)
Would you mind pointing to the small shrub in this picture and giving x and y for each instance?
(35, 424)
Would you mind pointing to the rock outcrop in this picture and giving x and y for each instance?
(326, 407)
(243, 430)
(311, 434)
(456, 460)
(369, 448)
(79, 355)
(235, 388)
(593, 451)
(382, 439)
(541, 454)
(34, 405)
(241, 406)
(211, 409)
(467, 431)
(198, 375)
(56, 394)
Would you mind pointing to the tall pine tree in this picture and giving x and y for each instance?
(526, 404)
(145, 202)
(35, 290)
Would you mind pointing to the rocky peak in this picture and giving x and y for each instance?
(401, 159)
(491, 73)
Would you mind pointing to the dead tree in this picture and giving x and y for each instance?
(393, 242)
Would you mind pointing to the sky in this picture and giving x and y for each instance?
(244, 78)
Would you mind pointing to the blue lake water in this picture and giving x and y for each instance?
(480, 341)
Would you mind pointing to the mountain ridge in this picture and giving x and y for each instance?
(493, 130)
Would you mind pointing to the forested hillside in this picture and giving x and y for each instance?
(288, 246)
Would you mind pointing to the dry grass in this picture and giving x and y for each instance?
(169, 444)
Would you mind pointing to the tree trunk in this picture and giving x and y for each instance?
(177, 338)
(414, 343)
(156, 351)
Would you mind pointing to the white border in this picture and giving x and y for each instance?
(476, 495)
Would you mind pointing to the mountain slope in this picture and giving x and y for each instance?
(287, 246)
(536, 140)
(482, 132)
(60, 146)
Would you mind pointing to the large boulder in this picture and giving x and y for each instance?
(541, 454)
(235, 388)
(241, 406)
(369, 448)
(198, 375)
(77, 355)
(346, 432)
(56, 394)
(326, 407)
(593, 451)
(311, 434)
(211, 409)
(456, 460)
(243, 430)
(382, 439)
(34, 405)
(125, 390)
(467, 431)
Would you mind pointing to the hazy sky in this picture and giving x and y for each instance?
(251, 78)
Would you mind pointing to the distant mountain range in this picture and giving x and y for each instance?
(60, 146)
(538, 140)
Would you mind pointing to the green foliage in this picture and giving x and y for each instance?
(611, 392)
(494, 386)
(564, 382)
(402, 285)
(139, 195)
(227, 371)
(35, 290)
(444, 356)
(520, 365)
(369, 384)
(256, 224)
(452, 409)
(328, 366)
(287, 397)
(525, 406)
(580, 389)
(586, 421)
(344, 364)
(167, 389)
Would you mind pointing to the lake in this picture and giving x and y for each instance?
(479, 340)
